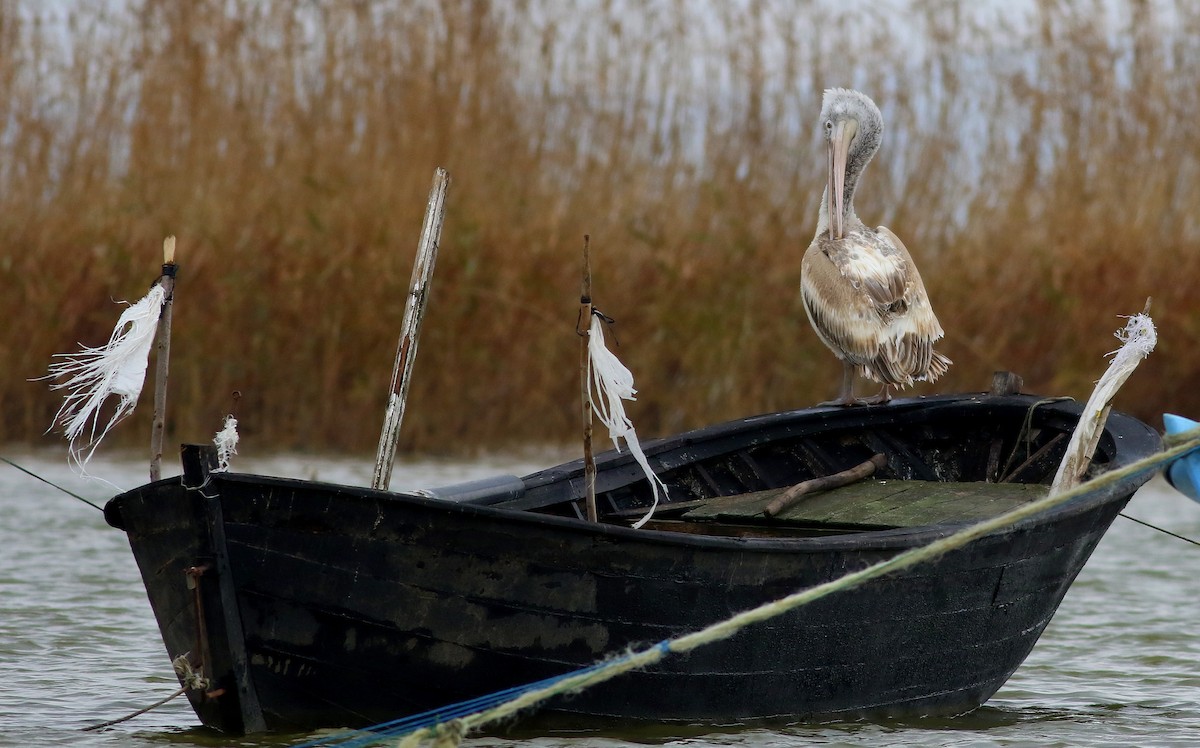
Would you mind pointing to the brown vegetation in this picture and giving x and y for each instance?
(1042, 167)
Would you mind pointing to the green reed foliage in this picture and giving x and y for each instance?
(1040, 164)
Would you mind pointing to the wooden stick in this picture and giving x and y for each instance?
(1086, 436)
(163, 359)
(583, 327)
(414, 313)
(844, 478)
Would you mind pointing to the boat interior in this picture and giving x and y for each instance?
(942, 463)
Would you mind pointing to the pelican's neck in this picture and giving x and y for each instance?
(850, 220)
(853, 127)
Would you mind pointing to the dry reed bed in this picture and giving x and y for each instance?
(1041, 166)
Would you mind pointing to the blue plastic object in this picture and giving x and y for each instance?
(1184, 472)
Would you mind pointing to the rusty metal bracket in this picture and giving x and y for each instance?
(194, 574)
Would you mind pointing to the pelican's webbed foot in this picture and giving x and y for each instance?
(847, 399)
(846, 395)
(882, 398)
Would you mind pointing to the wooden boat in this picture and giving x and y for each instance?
(309, 604)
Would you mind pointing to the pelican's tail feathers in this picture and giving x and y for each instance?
(938, 365)
(903, 365)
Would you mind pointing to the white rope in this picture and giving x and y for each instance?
(226, 442)
(116, 368)
(612, 383)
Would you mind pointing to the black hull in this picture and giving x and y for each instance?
(327, 605)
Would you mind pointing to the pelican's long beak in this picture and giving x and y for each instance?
(839, 148)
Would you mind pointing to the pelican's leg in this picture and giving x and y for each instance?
(846, 396)
(884, 396)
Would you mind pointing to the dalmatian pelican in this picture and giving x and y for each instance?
(861, 289)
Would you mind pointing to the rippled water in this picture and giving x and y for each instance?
(1118, 666)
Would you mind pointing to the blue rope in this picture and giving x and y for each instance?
(398, 727)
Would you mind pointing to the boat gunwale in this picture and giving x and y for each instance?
(890, 539)
(1119, 426)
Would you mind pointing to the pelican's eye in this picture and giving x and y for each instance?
(828, 125)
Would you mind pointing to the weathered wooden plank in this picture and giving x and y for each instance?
(875, 503)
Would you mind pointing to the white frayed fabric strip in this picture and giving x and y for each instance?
(1138, 339)
(226, 441)
(116, 368)
(611, 383)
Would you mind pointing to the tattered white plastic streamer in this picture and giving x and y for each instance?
(612, 383)
(117, 368)
(1138, 339)
(226, 442)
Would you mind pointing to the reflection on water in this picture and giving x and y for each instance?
(1119, 664)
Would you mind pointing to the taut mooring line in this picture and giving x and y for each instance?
(68, 492)
(1160, 529)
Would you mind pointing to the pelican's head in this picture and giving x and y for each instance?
(852, 126)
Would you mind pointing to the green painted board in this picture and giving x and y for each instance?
(879, 503)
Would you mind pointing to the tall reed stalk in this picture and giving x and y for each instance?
(1041, 165)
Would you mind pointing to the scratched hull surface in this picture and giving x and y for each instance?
(322, 605)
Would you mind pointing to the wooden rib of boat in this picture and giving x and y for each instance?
(310, 604)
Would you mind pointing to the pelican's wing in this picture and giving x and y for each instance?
(865, 299)
(913, 333)
(924, 322)
(874, 265)
(846, 319)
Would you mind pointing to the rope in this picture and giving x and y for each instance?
(68, 492)
(471, 715)
(1026, 429)
(192, 679)
(1164, 531)
(437, 718)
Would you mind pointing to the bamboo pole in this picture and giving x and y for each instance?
(163, 358)
(583, 328)
(410, 329)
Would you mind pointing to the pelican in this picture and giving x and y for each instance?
(861, 289)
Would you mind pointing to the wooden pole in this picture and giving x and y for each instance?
(163, 358)
(414, 314)
(583, 327)
(1086, 436)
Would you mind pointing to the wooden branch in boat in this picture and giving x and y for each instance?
(844, 478)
